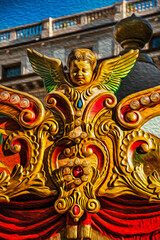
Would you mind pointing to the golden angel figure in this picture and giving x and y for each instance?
(82, 77)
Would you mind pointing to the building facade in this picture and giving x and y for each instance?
(55, 38)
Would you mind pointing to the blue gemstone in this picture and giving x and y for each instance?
(79, 104)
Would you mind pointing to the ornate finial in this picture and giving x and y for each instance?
(133, 32)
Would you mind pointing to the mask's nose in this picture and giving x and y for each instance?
(79, 73)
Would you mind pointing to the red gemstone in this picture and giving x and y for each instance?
(77, 172)
(76, 210)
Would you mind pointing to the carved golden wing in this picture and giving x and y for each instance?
(111, 71)
(51, 70)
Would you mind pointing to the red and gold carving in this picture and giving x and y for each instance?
(81, 147)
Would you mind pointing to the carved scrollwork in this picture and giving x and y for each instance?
(89, 147)
(137, 139)
(23, 141)
(75, 200)
(132, 112)
(130, 176)
(25, 109)
(24, 178)
(65, 178)
(98, 106)
(61, 205)
(107, 127)
(78, 148)
(92, 206)
(59, 102)
(22, 182)
(28, 145)
(82, 168)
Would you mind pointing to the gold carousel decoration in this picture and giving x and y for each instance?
(81, 145)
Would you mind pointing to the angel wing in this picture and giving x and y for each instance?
(50, 69)
(111, 71)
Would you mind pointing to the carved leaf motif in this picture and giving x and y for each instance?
(4, 180)
(154, 180)
(22, 184)
(89, 190)
(118, 184)
(17, 173)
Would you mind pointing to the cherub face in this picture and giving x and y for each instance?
(81, 72)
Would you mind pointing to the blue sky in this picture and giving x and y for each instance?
(19, 12)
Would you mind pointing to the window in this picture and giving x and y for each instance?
(155, 42)
(11, 71)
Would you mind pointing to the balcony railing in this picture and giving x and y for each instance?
(51, 27)
(28, 31)
(78, 20)
(140, 6)
(25, 31)
(5, 36)
(65, 23)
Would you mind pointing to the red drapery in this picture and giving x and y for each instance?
(128, 218)
(121, 218)
(34, 220)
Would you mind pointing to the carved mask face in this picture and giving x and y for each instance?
(81, 72)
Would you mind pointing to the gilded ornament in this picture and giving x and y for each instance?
(144, 100)
(77, 181)
(14, 99)
(141, 111)
(83, 135)
(82, 145)
(144, 148)
(68, 178)
(134, 104)
(72, 135)
(66, 170)
(78, 122)
(24, 103)
(4, 96)
(77, 161)
(78, 113)
(70, 163)
(85, 163)
(84, 178)
(86, 170)
(137, 138)
(84, 142)
(77, 140)
(131, 117)
(154, 96)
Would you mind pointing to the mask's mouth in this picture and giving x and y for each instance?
(79, 77)
(80, 80)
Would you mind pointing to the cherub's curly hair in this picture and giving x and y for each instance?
(83, 54)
